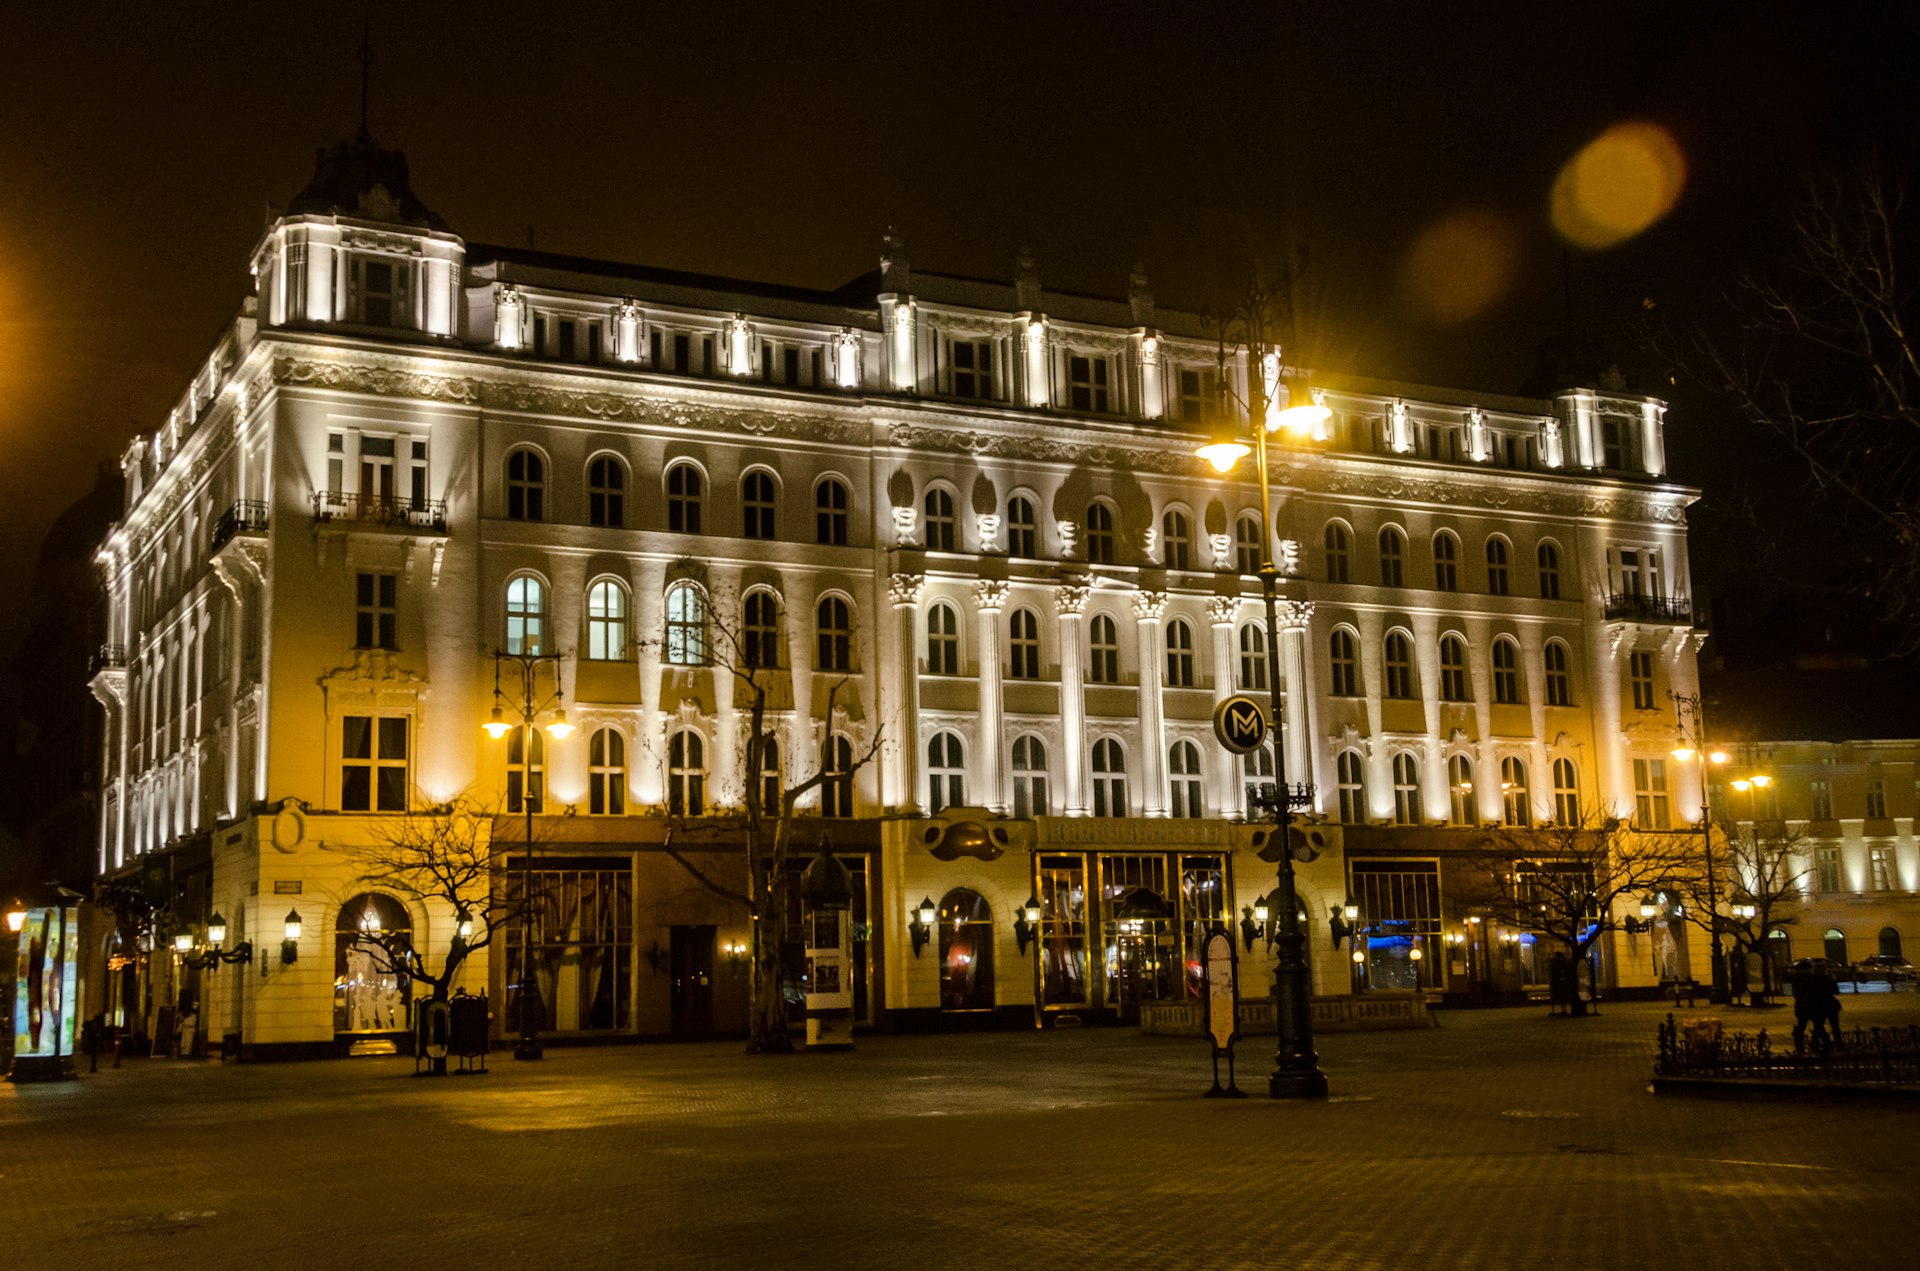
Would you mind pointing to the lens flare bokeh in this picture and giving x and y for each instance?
(1458, 268)
(1621, 182)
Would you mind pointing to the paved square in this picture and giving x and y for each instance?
(1501, 1139)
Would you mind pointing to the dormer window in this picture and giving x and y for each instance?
(972, 362)
(1087, 383)
(382, 286)
(1193, 395)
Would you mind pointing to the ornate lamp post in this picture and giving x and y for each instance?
(527, 706)
(1690, 718)
(1272, 407)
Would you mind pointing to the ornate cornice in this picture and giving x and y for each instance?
(1508, 494)
(1067, 448)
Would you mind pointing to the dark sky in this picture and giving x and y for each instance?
(141, 148)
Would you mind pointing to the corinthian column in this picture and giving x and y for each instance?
(989, 598)
(1292, 616)
(1071, 602)
(1148, 606)
(905, 591)
(1232, 791)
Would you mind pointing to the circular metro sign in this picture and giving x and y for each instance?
(1240, 722)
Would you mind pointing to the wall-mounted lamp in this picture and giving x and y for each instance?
(1649, 909)
(213, 955)
(1026, 925)
(1344, 923)
(920, 923)
(735, 952)
(183, 942)
(290, 947)
(16, 917)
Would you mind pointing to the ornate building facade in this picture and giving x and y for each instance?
(961, 525)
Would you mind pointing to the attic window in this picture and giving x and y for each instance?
(382, 292)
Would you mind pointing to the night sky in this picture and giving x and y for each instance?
(142, 147)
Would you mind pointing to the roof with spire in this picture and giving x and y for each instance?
(361, 179)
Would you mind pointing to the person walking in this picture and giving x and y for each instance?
(1803, 981)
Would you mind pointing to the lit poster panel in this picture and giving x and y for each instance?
(43, 1010)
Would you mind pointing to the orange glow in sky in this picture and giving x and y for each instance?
(1458, 268)
(1620, 183)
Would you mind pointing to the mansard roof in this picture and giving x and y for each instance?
(359, 178)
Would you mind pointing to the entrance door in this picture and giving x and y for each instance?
(691, 963)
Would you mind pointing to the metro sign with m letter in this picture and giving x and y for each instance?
(1240, 722)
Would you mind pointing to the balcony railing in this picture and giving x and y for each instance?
(245, 516)
(1677, 610)
(108, 657)
(382, 511)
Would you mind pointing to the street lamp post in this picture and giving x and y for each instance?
(1690, 718)
(1296, 1072)
(528, 706)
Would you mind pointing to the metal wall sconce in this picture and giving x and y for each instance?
(210, 958)
(289, 947)
(1644, 923)
(1253, 924)
(1026, 924)
(1344, 923)
(735, 952)
(920, 924)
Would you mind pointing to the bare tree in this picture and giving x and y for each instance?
(767, 825)
(1766, 871)
(1819, 351)
(1569, 884)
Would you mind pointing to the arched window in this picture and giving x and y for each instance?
(1399, 665)
(943, 639)
(1103, 639)
(1099, 534)
(1517, 802)
(1023, 530)
(1393, 558)
(1446, 562)
(1351, 772)
(833, 625)
(758, 504)
(1453, 670)
(1253, 658)
(1179, 654)
(1890, 943)
(686, 495)
(946, 772)
(1506, 672)
(966, 952)
(686, 624)
(760, 623)
(1023, 645)
(1109, 778)
(1344, 662)
(526, 770)
(607, 773)
(1406, 789)
(1460, 806)
(836, 792)
(686, 774)
(1184, 779)
(1256, 768)
(1836, 945)
(1176, 541)
(771, 784)
(1566, 793)
(1548, 557)
(1029, 777)
(939, 532)
(1497, 580)
(372, 992)
(607, 492)
(607, 621)
(830, 507)
(526, 614)
(1246, 544)
(1339, 547)
(1559, 681)
(526, 486)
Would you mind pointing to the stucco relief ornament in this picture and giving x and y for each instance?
(990, 595)
(1071, 600)
(1223, 610)
(1149, 605)
(1069, 532)
(1293, 614)
(1289, 562)
(905, 589)
(1222, 549)
(905, 519)
(989, 523)
(628, 310)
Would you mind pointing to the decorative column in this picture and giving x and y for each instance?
(905, 590)
(1232, 797)
(989, 598)
(1071, 602)
(1293, 616)
(1148, 606)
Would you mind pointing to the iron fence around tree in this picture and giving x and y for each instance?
(1886, 1056)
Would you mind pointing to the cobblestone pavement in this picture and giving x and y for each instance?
(1500, 1139)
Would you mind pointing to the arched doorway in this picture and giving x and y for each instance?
(1889, 942)
(1836, 942)
(371, 992)
(1141, 957)
(966, 951)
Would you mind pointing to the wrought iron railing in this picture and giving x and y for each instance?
(108, 657)
(1300, 795)
(246, 515)
(1674, 609)
(381, 510)
(1858, 1056)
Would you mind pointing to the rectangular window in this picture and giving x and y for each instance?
(1650, 805)
(1399, 904)
(818, 379)
(706, 355)
(336, 461)
(1087, 384)
(378, 293)
(1640, 676)
(376, 469)
(1193, 401)
(766, 364)
(1876, 798)
(1822, 801)
(972, 362)
(417, 473)
(567, 340)
(539, 335)
(682, 354)
(373, 763)
(1826, 868)
(790, 365)
(1880, 867)
(1063, 930)
(653, 350)
(593, 342)
(375, 607)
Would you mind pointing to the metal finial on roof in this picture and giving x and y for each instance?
(366, 71)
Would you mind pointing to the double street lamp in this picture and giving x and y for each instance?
(523, 709)
(1274, 406)
(1690, 718)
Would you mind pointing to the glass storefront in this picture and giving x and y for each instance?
(1149, 911)
(1399, 903)
(371, 993)
(582, 942)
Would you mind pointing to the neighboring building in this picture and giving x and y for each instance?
(969, 510)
